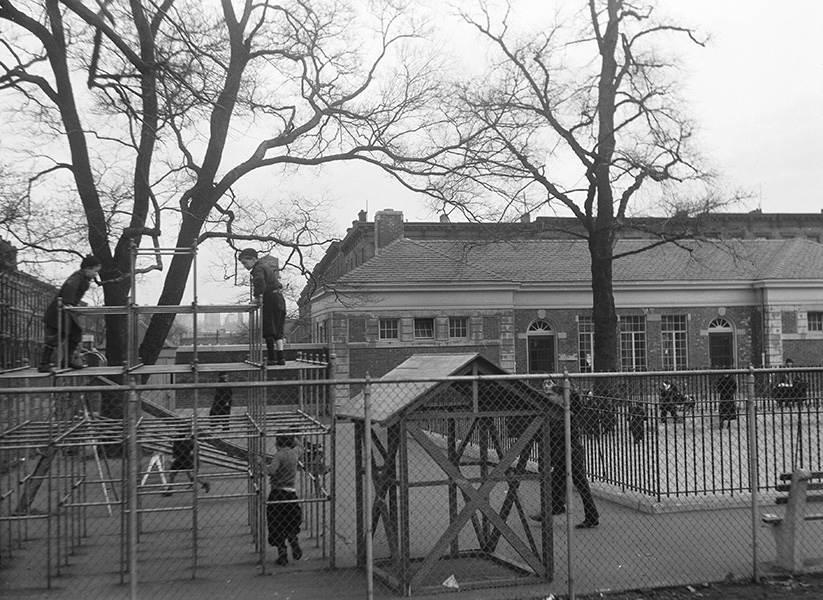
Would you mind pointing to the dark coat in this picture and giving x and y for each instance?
(221, 405)
(71, 292)
(265, 276)
(726, 388)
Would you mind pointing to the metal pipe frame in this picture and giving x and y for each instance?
(67, 441)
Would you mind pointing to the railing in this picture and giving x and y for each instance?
(644, 441)
(648, 443)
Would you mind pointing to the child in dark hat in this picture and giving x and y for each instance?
(266, 288)
(71, 293)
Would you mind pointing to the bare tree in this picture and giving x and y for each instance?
(581, 116)
(152, 113)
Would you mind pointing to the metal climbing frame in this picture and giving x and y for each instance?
(51, 421)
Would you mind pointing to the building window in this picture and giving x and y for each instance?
(815, 321)
(675, 342)
(585, 344)
(540, 338)
(424, 329)
(633, 343)
(458, 327)
(320, 332)
(389, 329)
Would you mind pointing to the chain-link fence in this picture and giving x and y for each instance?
(516, 485)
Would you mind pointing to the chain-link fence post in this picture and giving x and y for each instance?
(368, 499)
(754, 483)
(332, 407)
(133, 471)
(567, 448)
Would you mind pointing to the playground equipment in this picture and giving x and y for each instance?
(50, 430)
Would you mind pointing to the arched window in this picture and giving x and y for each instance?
(721, 343)
(540, 338)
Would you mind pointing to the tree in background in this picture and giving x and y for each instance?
(134, 118)
(582, 116)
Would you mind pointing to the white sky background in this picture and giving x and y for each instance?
(756, 91)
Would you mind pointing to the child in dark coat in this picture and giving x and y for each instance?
(266, 288)
(69, 331)
(637, 422)
(221, 405)
(726, 387)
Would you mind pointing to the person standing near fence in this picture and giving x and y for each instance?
(557, 458)
(637, 421)
(71, 293)
(726, 387)
(266, 286)
(283, 513)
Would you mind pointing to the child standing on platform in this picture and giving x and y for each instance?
(266, 288)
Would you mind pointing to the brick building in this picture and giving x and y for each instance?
(23, 299)
(520, 295)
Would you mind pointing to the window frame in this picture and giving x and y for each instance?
(464, 326)
(585, 344)
(633, 345)
(386, 326)
(674, 342)
(817, 320)
(420, 321)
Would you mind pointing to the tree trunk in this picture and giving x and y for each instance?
(117, 340)
(606, 358)
(603, 308)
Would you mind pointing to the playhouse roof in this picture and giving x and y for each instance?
(389, 402)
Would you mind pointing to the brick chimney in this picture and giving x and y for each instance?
(388, 226)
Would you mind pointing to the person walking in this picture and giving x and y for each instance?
(669, 399)
(726, 387)
(68, 332)
(221, 404)
(557, 459)
(283, 513)
(266, 288)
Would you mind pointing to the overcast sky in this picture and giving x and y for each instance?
(756, 91)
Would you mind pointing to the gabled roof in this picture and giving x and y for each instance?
(389, 402)
(524, 261)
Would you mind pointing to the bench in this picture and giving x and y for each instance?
(804, 487)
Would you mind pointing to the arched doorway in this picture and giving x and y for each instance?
(540, 338)
(721, 343)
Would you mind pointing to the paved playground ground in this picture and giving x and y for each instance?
(631, 549)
